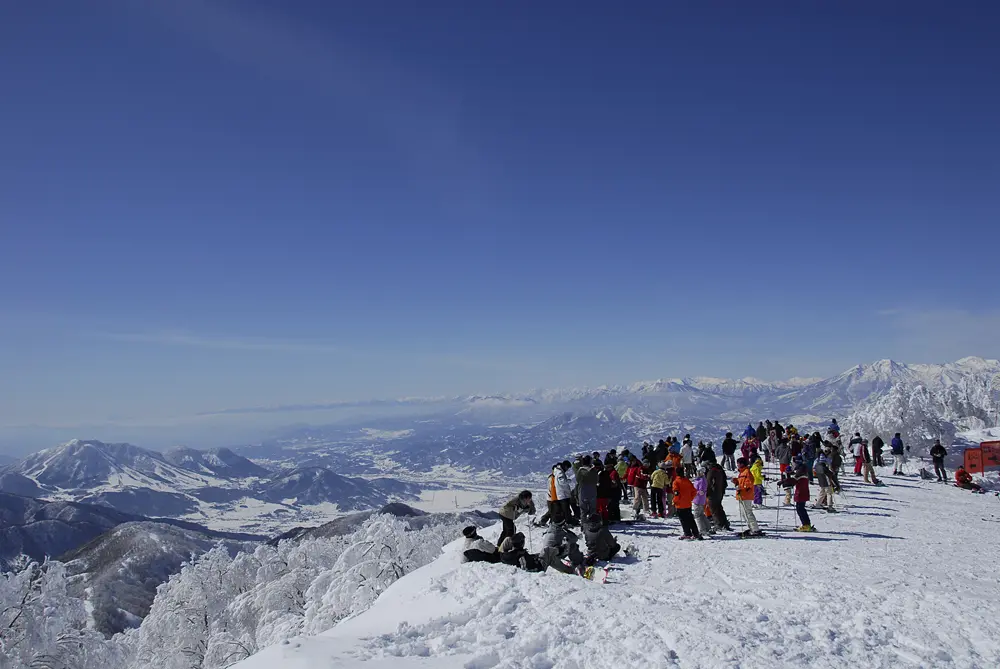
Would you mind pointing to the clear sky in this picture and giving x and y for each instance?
(208, 205)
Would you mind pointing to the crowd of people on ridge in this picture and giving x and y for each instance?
(687, 482)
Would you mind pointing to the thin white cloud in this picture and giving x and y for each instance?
(187, 339)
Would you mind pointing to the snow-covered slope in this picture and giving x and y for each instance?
(220, 462)
(895, 580)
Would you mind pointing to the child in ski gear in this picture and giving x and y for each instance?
(757, 469)
(744, 494)
(798, 481)
(963, 479)
(601, 544)
(657, 482)
(512, 509)
(898, 455)
(715, 492)
(684, 494)
(699, 501)
(938, 453)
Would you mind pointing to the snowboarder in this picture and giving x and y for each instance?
(511, 510)
(601, 544)
(963, 479)
(684, 494)
(898, 454)
(729, 452)
(938, 453)
(744, 494)
(715, 491)
(657, 482)
(877, 446)
(474, 542)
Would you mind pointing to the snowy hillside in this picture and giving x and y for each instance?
(895, 580)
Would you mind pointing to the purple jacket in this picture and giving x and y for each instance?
(700, 486)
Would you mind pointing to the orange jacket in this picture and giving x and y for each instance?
(744, 484)
(553, 497)
(684, 493)
(675, 460)
(962, 477)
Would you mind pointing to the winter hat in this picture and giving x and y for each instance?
(743, 462)
(518, 540)
(469, 531)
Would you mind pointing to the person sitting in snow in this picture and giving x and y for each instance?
(508, 544)
(477, 549)
(601, 544)
(559, 542)
(963, 479)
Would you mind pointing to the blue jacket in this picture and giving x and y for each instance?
(897, 446)
(751, 431)
(834, 427)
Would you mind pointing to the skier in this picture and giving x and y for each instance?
(750, 448)
(474, 542)
(938, 453)
(836, 454)
(640, 478)
(684, 494)
(783, 452)
(606, 488)
(823, 468)
(749, 432)
(729, 452)
(657, 482)
(877, 446)
(512, 509)
(811, 452)
(601, 544)
(715, 491)
(687, 456)
(761, 433)
(867, 458)
(744, 494)
(757, 469)
(700, 499)
(622, 469)
(898, 455)
(799, 482)
(586, 491)
(856, 451)
(963, 479)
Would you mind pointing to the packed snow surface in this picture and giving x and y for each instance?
(904, 576)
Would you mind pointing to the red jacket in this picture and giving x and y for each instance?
(630, 475)
(641, 478)
(962, 477)
(802, 489)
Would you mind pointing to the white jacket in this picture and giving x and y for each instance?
(564, 488)
(479, 544)
(687, 454)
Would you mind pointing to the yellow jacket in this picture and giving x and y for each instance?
(757, 469)
(658, 479)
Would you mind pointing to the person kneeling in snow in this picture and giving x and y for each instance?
(601, 544)
(476, 548)
(963, 479)
(558, 543)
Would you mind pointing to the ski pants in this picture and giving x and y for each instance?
(602, 508)
(588, 506)
(704, 527)
(729, 461)
(553, 510)
(858, 464)
(800, 508)
(566, 506)
(825, 497)
(747, 506)
(508, 529)
(898, 460)
(939, 470)
(877, 456)
(641, 500)
(623, 492)
(687, 522)
(657, 501)
(869, 472)
(718, 514)
(758, 495)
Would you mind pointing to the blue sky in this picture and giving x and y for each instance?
(209, 205)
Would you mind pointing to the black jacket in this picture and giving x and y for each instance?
(605, 488)
(938, 452)
(601, 543)
(877, 445)
(716, 482)
(761, 433)
(729, 446)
